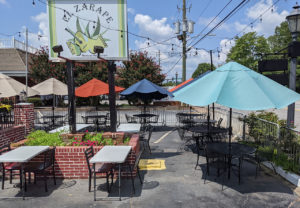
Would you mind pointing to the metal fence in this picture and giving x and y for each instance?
(6, 119)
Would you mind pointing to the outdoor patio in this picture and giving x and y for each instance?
(179, 185)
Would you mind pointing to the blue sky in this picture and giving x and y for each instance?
(155, 18)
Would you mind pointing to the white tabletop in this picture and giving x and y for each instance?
(111, 154)
(66, 128)
(132, 128)
(22, 154)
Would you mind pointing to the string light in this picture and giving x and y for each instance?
(19, 34)
(33, 3)
(65, 14)
(148, 43)
(94, 25)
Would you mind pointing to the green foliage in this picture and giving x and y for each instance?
(139, 67)
(42, 138)
(202, 68)
(247, 48)
(37, 102)
(126, 140)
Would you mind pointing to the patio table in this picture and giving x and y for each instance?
(52, 118)
(204, 131)
(233, 150)
(22, 155)
(130, 128)
(111, 154)
(88, 117)
(144, 118)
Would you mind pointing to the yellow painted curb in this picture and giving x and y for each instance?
(152, 164)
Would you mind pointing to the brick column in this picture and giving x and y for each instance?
(24, 115)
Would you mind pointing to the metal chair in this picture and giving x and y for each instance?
(133, 167)
(146, 141)
(102, 168)
(215, 161)
(130, 119)
(9, 167)
(42, 168)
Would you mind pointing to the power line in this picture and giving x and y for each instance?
(211, 21)
(221, 22)
(259, 17)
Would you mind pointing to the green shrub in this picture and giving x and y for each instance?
(37, 102)
(42, 138)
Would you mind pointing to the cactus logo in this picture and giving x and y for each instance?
(78, 26)
(84, 41)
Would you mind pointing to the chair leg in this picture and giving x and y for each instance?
(21, 182)
(25, 183)
(10, 176)
(107, 182)
(3, 177)
(34, 180)
(54, 178)
(138, 172)
(132, 179)
(149, 147)
(90, 179)
(45, 181)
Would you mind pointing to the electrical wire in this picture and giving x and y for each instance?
(221, 22)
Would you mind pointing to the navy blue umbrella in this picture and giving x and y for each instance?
(146, 90)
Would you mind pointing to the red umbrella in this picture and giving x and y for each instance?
(94, 87)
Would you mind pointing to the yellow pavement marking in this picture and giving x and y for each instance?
(152, 164)
(164, 136)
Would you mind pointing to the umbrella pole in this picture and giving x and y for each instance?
(213, 111)
(230, 134)
(53, 105)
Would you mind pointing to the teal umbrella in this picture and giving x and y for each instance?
(236, 86)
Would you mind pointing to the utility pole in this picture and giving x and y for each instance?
(176, 78)
(187, 27)
(184, 42)
(26, 60)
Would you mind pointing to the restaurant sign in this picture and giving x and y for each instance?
(80, 25)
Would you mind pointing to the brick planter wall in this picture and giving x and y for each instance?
(70, 162)
(24, 115)
(24, 121)
(12, 134)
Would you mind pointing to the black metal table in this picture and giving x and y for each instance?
(230, 150)
(95, 120)
(144, 118)
(52, 118)
(93, 117)
(203, 131)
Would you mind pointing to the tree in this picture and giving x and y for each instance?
(41, 69)
(202, 68)
(247, 48)
(281, 38)
(139, 67)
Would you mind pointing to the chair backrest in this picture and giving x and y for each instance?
(150, 130)
(49, 157)
(5, 148)
(89, 153)
(219, 122)
(137, 159)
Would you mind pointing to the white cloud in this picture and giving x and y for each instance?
(131, 11)
(3, 2)
(157, 29)
(41, 37)
(270, 19)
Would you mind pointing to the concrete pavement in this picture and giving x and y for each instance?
(180, 185)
